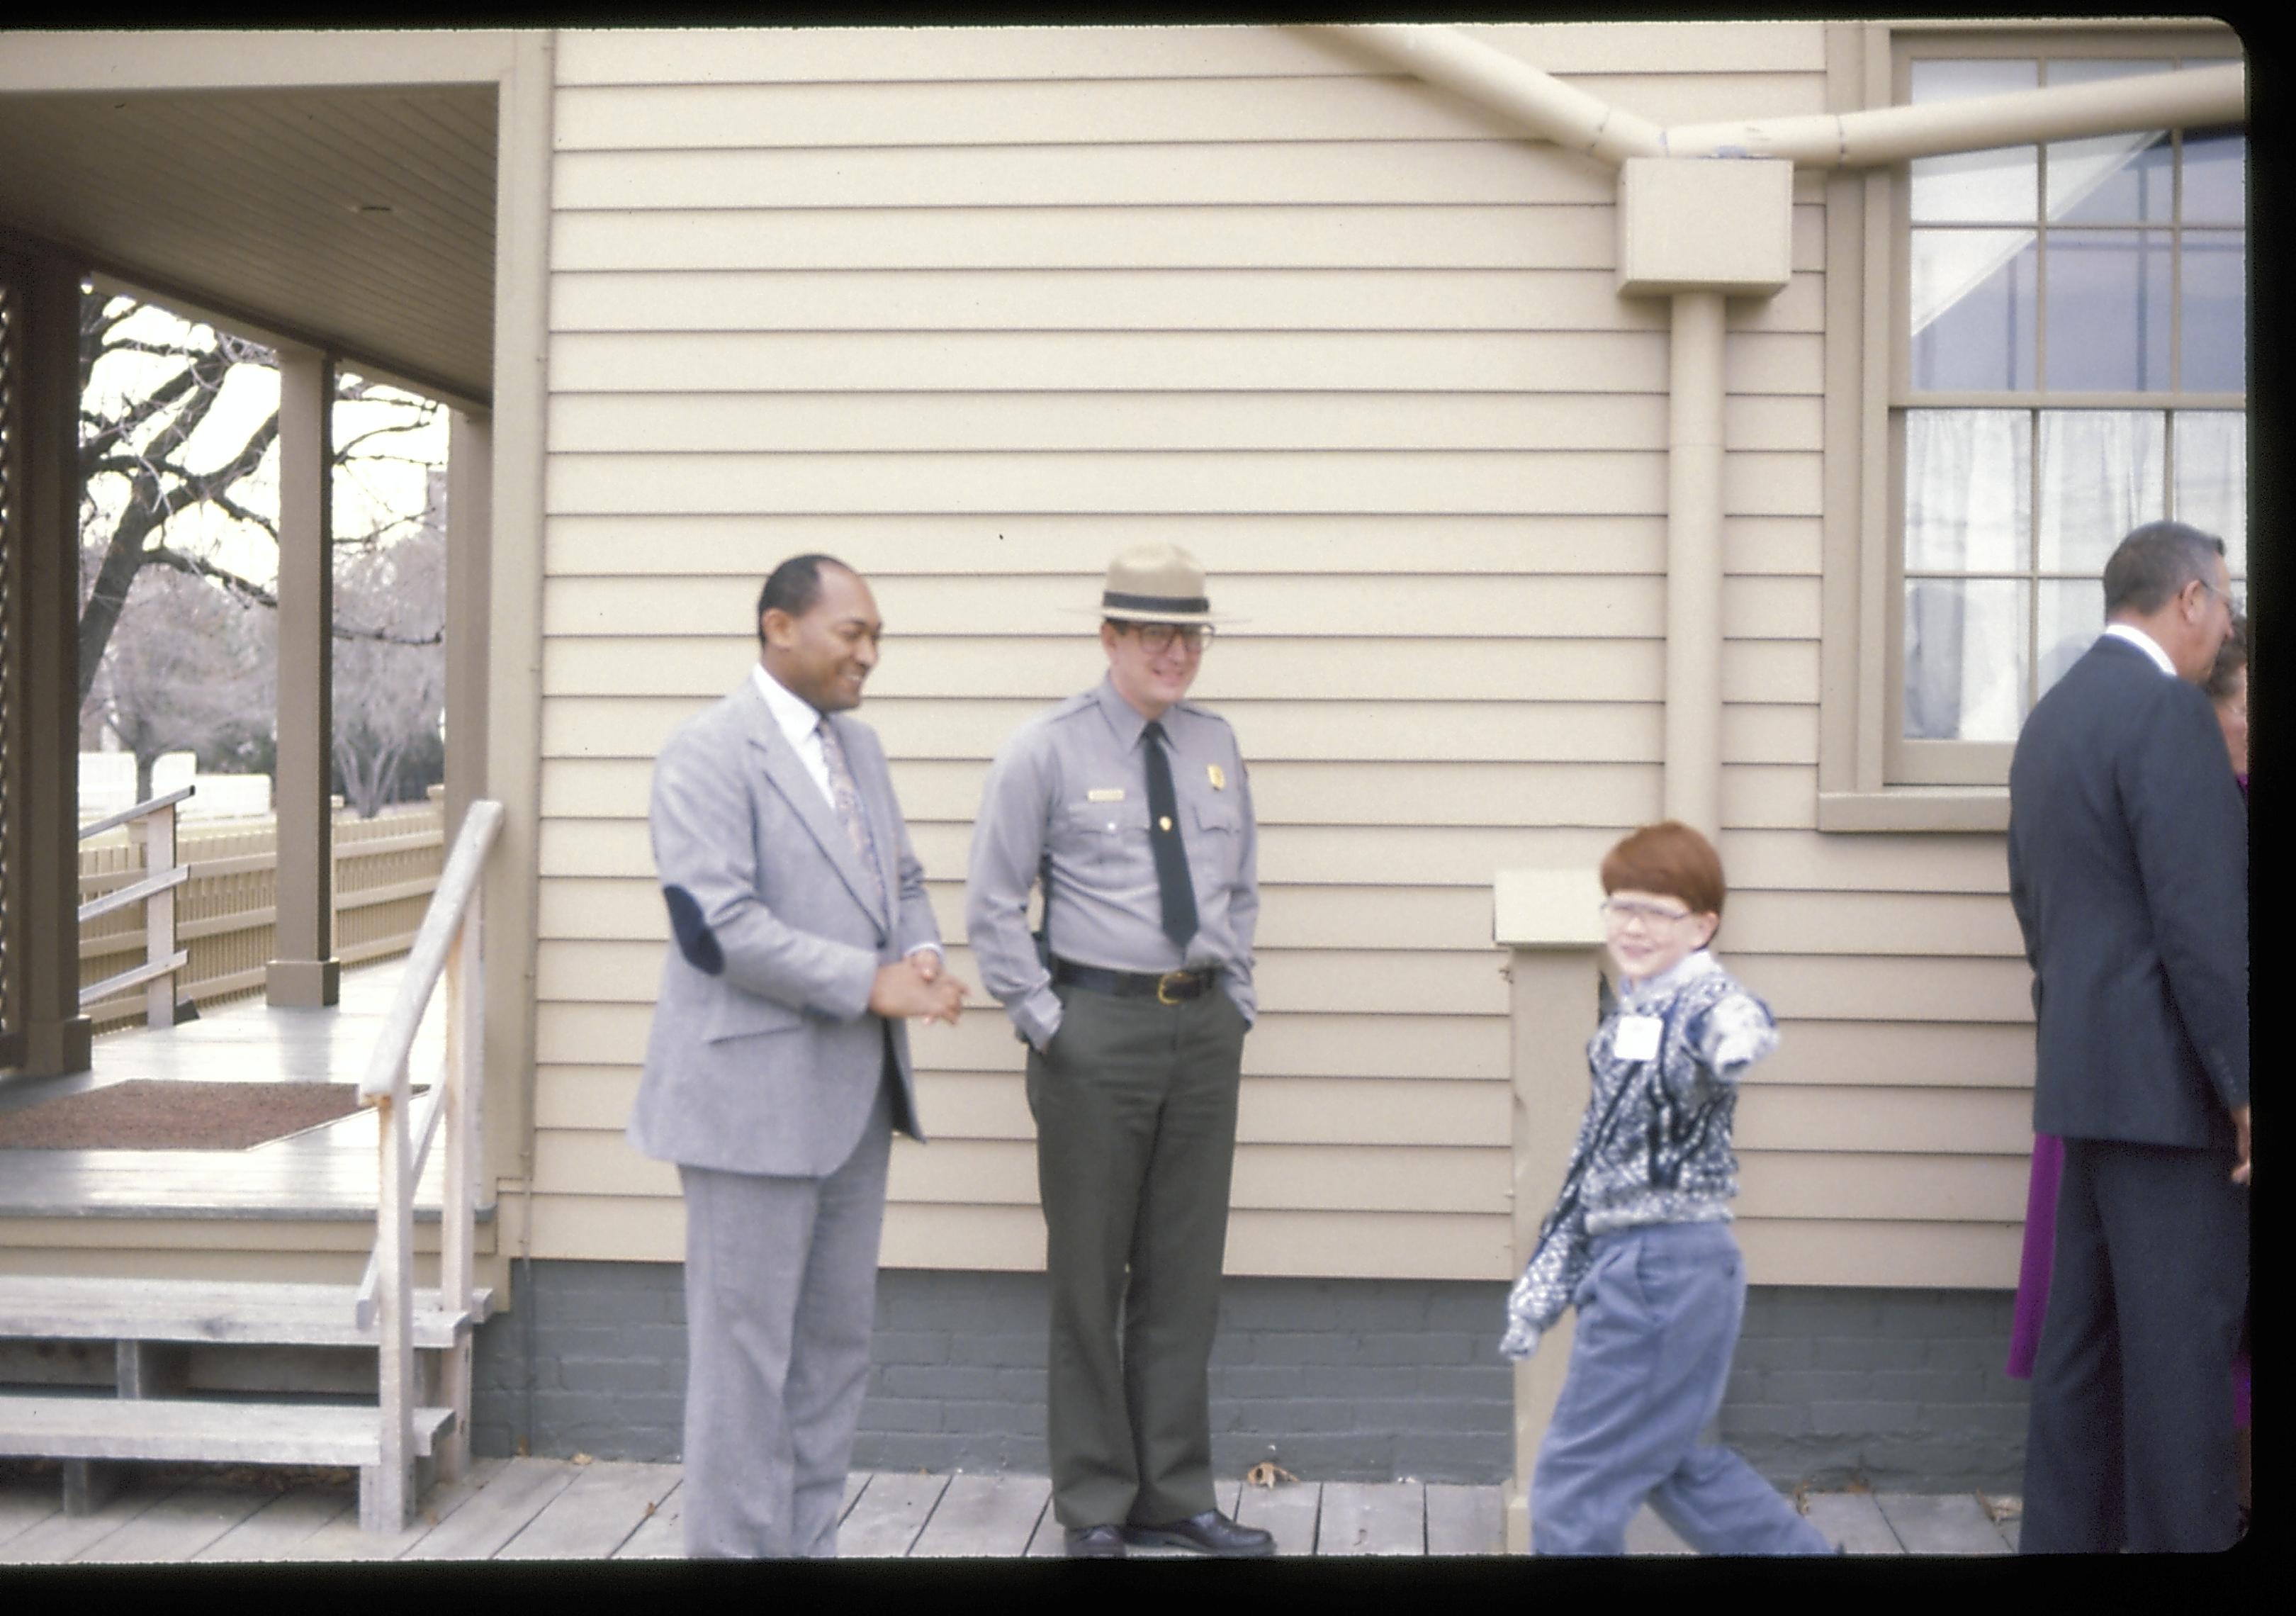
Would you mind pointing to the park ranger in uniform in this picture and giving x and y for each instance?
(1130, 807)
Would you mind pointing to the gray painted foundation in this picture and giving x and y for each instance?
(1332, 1380)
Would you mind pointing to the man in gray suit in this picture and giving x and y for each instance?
(778, 1063)
(2128, 869)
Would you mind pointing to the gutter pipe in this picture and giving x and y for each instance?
(2190, 98)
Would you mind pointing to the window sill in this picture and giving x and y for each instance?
(1915, 807)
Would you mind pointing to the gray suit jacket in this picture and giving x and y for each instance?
(2128, 869)
(764, 1057)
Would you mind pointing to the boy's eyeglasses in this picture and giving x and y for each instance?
(1619, 912)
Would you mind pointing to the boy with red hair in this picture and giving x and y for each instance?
(1639, 1240)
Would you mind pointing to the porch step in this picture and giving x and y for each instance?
(263, 1313)
(214, 1432)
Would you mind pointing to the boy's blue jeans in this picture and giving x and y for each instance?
(1659, 1312)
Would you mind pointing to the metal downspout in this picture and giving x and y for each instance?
(1693, 791)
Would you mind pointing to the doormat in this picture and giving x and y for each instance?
(146, 1114)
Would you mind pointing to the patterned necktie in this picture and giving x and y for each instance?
(1172, 884)
(848, 799)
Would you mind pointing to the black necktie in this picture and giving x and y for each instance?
(1172, 882)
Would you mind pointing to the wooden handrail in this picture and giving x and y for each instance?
(138, 812)
(386, 1066)
(162, 960)
(449, 943)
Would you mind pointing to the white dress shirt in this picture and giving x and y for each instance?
(2143, 642)
(801, 724)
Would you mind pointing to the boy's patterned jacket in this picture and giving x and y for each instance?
(1654, 1145)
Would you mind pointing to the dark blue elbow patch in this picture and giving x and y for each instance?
(695, 940)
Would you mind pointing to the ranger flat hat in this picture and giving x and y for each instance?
(1157, 583)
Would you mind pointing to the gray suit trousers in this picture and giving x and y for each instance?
(781, 1295)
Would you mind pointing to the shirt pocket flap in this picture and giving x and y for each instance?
(737, 1016)
(1219, 816)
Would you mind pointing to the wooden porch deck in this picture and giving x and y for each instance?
(324, 1172)
(577, 1510)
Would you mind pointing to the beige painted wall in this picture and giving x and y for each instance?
(971, 310)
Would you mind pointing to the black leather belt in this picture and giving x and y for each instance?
(1171, 988)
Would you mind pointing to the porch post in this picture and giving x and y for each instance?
(303, 969)
(469, 512)
(44, 793)
(1550, 924)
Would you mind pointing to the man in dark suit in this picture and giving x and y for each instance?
(2128, 869)
(778, 1064)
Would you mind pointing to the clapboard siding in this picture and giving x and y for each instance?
(1553, 606)
(1405, 483)
(973, 308)
(1501, 731)
(945, 119)
(627, 423)
(1247, 361)
(1418, 1112)
(1351, 299)
(1042, 670)
(950, 55)
(1487, 817)
(727, 547)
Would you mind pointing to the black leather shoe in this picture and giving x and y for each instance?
(1095, 1543)
(1209, 1533)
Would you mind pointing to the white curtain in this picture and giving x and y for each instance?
(1968, 509)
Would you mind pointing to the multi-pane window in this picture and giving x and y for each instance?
(2070, 364)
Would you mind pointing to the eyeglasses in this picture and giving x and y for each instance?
(1157, 638)
(1621, 912)
(2232, 602)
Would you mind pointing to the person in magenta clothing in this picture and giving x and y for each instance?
(2227, 688)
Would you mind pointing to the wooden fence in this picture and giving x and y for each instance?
(385, 869)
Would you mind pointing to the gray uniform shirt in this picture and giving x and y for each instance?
(1067, 798)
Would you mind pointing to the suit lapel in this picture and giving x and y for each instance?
(785, 772)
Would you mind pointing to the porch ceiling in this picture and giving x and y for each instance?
(358, 219)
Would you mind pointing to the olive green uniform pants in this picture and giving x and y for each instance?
(1135, 1105)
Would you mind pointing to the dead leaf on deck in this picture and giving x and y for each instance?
(2002, 1509)
(581, 1458)
(1266, 1473)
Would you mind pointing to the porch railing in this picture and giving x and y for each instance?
(449, 943)
(153, 823)
(385, 871)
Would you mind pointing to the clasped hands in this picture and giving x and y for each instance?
(917, 985)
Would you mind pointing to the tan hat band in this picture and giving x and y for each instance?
(1116, 600)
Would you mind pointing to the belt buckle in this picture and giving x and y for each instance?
(1169, 977)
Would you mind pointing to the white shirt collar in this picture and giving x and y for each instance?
(2144, 643)
(799, 722)
(1696, 965)
(792, 712)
